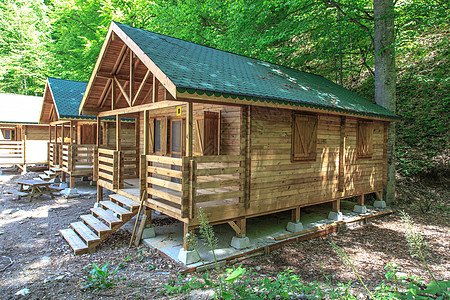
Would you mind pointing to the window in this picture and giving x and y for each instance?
(304, 137)
(364, 139)
(9, 134)
(157, 135)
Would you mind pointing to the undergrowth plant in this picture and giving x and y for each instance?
(100, 278)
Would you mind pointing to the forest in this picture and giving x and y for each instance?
(331, 38)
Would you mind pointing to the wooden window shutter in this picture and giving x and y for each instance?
(364, 139)
(164, 135)
(304, 137)
(151, 137)
(206, 134)
(199, 135)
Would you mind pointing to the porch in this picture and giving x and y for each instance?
(177, 187)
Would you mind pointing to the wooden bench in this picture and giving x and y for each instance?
(18, 193)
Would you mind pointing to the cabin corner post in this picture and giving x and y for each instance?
(246, 153)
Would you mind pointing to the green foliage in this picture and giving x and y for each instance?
(101, 278)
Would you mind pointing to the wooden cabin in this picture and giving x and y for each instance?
(72, 137)
(23, 141)
(236, 136)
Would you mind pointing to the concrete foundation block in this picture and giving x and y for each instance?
(294, 227)
(71, 192)
(379, 204)
(360, 209)
(148, 232)
(188, 257)
(335, 216)
(240, 243)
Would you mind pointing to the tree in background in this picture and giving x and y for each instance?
(385, 79)
(24, 28)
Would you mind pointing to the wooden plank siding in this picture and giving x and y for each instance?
(278, 183)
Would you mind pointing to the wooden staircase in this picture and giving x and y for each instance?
(105, 218)
(50, 174)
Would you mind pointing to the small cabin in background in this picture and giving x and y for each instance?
(235, 136)
(22, 140)
(72, 137)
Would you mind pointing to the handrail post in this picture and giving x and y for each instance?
(95, 166)
(143, 175)
(70, 154)
(121, 169)
(192, 187)
(116, 170)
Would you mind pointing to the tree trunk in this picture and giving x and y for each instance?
(385, 79)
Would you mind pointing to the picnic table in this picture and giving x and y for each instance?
(35, 187)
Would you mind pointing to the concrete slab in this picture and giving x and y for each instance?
(261, 231)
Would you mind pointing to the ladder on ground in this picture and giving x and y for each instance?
(106, 217)
(53, 172)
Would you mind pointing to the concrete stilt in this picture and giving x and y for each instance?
(240, 243)
(360, 209)
(335, 216)
(294, 227)
(149, 232)
(188, 257)
(379, 204)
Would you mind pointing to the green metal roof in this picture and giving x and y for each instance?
(67, 95)
(199, 69)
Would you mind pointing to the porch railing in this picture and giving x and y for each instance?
(111, 167)
(12, 152)
(53, 154)
(176, 186)
(77, 157)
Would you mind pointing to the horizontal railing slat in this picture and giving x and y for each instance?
(164, 183)
(163, 171)
(218, 196)
(164, 195)
(164, 160)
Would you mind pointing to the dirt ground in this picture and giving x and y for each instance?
(45, 265)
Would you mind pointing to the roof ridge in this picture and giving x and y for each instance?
(49, 77)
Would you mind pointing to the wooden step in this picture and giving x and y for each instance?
(96, 224)
(50, 173)
(85, 233)
(120, 211)
(55, 169)
(77, 244)
(108, 217)
(133, 205)
(44, 177)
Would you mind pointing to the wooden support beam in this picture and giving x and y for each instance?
(155, 89)
(71, 132)
(122, 89)
(119, 59)
(134, 109)
(361, 199)
(235, 227)
(146, 132)
(141, 87)
(118, 132)
(296, 215)
(187, 230)
(113, 95)
(189, 122)
(336, 205)
(99, 193)
(105, 75)
(122, 62)
(131, 78)
(105, 93)
(239, 226)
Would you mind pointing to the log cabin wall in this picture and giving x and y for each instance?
(279, 183)
(127, 134)
(230, 123)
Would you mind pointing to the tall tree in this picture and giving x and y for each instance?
(385, 78)
(24, 28)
